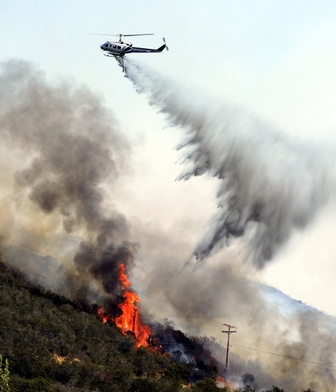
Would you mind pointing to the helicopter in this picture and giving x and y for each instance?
(120, 48)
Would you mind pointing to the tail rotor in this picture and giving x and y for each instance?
(164, 40)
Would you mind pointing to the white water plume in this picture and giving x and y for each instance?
(269, 183)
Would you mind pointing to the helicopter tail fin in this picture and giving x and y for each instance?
(160, 49)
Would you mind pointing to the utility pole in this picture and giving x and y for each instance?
(228, 332)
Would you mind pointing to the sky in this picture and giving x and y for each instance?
(274, 59)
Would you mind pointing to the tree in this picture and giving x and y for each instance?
(4, 375)
(248, 388)
(276, 389)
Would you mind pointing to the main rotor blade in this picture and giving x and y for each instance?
(134, 35)
(121, 35)
(103, 34)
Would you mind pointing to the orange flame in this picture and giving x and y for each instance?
(130, 320)
(102, 315)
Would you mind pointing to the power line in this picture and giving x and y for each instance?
(173, 342)
(286, 356)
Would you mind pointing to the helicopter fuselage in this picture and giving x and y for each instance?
(120, 48)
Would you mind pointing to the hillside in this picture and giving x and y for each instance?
(53, 344)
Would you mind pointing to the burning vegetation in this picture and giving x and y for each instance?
(130, 320)
(54, 344)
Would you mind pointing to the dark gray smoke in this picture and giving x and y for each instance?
(65, 147)
(269, 185)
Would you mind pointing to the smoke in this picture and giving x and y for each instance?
(65, 147)
(269, 185)
(289, 345)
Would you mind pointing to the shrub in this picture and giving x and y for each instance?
(4, 375)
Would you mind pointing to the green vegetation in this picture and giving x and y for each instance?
(4, 375)
(49, 344)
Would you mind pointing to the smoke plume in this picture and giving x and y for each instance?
(65, 146)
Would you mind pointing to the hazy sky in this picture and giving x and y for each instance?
(275, 58)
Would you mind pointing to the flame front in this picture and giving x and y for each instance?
(129, 320)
